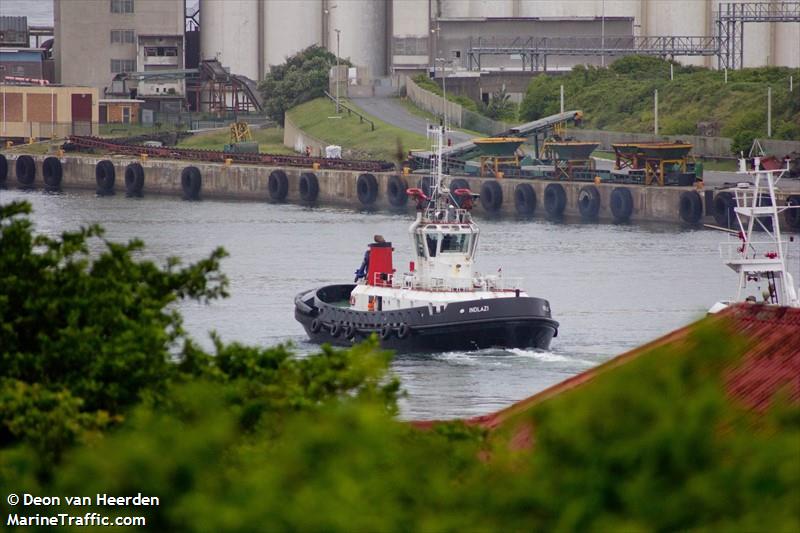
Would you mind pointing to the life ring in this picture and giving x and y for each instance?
(456, 184)
(278, 185)
(308, 186)
(396, 191)
(105, 175)
(491, 196)
(589, 202)
(525, 200)
(621, 203)
(690, 207)
(3, 169)
(349, 332)
(722, 209)
(52, 172)
(316, 325)
(792, 216)
(555, 200)
(191, 183)
(367, 189)
(26, 170)
(386, 332)
(134, 179)
(403, 331)
(336, 329)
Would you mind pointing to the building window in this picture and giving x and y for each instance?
(126, 115)
(123, 65)
(161, 51)
(122, 37)
(122, 6)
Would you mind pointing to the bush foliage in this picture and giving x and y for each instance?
(251, 438)
(303, 77)
(620, 98)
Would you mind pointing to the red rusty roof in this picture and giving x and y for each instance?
(771, 363)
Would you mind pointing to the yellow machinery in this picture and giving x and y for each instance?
(240, 131)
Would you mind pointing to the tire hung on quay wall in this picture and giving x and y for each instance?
(367, 189)
(589, 202)
(491, 196)
(52, 172)
(722, 209)
(690, 207)
(555, 200)
(426, 184)
(3, 170)
(621, 203)
(191, 183)
(454, 186)
(278, 185)
(308, 186)
(105, 175)
(525, 200)
(792, 216)
(26, 170)
(134, 179)
(396, 191)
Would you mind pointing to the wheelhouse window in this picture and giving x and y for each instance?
(433, 243)
(455, 243)
(420, 245)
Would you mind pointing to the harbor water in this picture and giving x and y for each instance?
(612, 287)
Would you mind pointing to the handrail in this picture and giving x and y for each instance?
(360, 116)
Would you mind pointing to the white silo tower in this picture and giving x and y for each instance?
(362, 33)
(229, 32)
(787, 52)
(290, 26)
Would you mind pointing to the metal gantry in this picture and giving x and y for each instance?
(727, 45)
(731, 18)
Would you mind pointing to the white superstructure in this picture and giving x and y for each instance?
(758, 251)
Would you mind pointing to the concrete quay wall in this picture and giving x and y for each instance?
(338, 188)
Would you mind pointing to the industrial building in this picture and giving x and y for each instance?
(395, 36)
(96, 40)
(28, 111)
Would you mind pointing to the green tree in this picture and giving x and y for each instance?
(500, 106)
(303, 77)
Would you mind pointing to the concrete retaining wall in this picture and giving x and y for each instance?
(702, 146)
(297, 139)
(250, 182)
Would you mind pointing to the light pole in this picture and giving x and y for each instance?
(435, 47)
(603, 34)
(338, 32)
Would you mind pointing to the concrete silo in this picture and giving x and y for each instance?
(230, 32)
(290, 26)
(362, 32)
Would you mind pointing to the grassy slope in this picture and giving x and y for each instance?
(621, 98)
(352, 135)
(270, 140)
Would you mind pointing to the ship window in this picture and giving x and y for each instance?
(420, 245)
(433, 241)
(455, 243)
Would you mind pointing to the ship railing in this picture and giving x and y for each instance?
(754, 250)
(448, 215)
(484, 283)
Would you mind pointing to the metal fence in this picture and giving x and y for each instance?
(46, 130)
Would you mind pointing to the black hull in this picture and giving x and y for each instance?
(516, 322)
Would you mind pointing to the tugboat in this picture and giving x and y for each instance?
(441, 303)
(759, 258)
